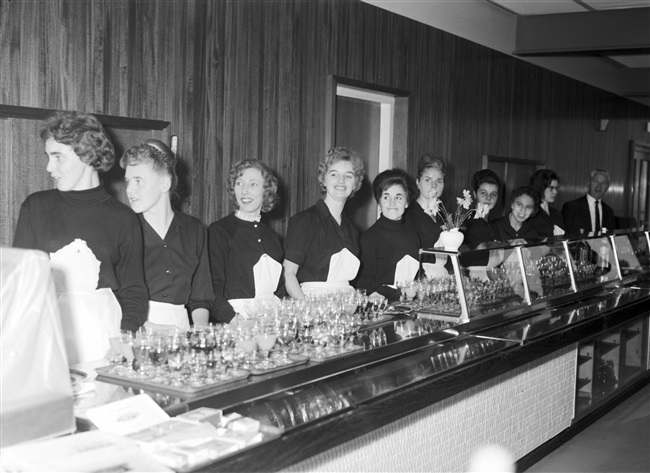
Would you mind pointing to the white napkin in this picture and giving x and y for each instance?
(267, 273)
(75, 267)
(406, 269)
(344, 266)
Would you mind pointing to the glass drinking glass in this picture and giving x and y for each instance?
(266, 336)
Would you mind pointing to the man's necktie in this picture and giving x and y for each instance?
(597, 224)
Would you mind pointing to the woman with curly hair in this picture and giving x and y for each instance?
(94, 241)
(245, 254)
(176, 267)
(321, 248)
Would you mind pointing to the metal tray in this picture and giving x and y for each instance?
(185, 392)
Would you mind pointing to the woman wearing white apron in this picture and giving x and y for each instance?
(93, 240)
(245, 253)
(321, 246)
(176, 264)
(389, 248)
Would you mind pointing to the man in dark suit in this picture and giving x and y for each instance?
(589, 212)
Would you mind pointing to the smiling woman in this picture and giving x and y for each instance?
(321, 246)
(389, 248)
(524, 203)
(245, 253)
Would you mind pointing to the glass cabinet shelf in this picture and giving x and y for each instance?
(497, 277)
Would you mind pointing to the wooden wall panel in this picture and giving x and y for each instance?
(247, 79)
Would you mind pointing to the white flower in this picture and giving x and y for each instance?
(481, 210)
(466, 201)
(433, 206)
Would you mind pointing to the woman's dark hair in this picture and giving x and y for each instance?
(389, 178)
(271, 197)
(158, 155)
(485, 176)
(84, 134)
(431, 162)
(335, 155)
(541, 179)
(530, 192)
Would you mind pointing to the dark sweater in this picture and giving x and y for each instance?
(50, 220)
(382, 246)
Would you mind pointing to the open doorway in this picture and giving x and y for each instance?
(371, 121)
(639, 194)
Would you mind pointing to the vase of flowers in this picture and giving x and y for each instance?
(451, 237)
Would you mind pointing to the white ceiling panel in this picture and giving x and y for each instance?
(539, 7)
(635, 61)
(612, 4)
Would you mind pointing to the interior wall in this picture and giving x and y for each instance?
(247, 79)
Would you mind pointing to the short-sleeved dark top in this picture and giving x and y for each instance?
(176, 267)
(235, 246)
(425, 226)
(313, 236)
(505, 231)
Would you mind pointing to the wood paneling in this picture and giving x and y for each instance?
(247, 79)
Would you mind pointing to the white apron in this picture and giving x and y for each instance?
(266, 274)
(168, 314)
(344, 267)
(89, 316)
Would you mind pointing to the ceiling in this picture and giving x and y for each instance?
(604, 43)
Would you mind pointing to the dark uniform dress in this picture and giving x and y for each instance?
(176, 268)
(50, 220)
(313, 236)
(383, 245)
(235, 246)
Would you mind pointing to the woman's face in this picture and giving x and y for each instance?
(487, 194)
(339, 180)
(522, 208)
(550, 193)
(249, 192)
(145, 186)
(393, 202)
(69, 172)
(431, 183)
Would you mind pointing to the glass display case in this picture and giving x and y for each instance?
(609, 362)
(295, 407)
(439, 339)
(466, 284)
